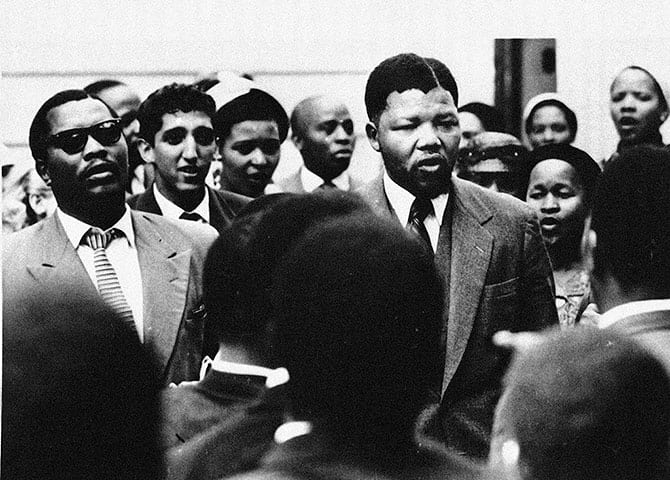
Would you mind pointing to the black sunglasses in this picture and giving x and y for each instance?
(73, 141)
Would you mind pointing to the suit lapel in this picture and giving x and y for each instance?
(220, 213)
(147, 202)
(57, 263)
(471, 248)
(165, 273)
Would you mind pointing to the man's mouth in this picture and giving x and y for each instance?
(628, 123)
(549, 224)
(189, 170)
(101, 173)
(430, 164)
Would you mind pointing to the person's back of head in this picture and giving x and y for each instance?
(357, 305)
(631, 222)
(79, 393)
(583, 405)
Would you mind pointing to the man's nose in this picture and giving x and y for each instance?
(549, 203)
(341, 135)
(92, 147)
(427, 137)
(257, 157)
(190, 148)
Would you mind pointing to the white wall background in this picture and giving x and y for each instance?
(301, 47)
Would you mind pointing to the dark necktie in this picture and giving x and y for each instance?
(192, 216)
(420, 209)
(326, 186)
(108, 283)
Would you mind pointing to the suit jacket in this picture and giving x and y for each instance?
(291, 183)
(318, 457)
(171, 257)
(651, 329)
(223, 205)
(218, 426)
(498, 277)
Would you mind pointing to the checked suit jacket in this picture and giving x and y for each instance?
(171, 256)
(497, 277)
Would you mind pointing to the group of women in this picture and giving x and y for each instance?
(561, 178)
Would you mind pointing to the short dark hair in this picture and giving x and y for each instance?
(253, 105)
(176, 97)
(631, 220)
(353, 295)
(586, 167)
(79, 395)
(587, 404)
(404, 72)
(492, 119)
(570, 116)
(227, 285)
(96, 87)
(39, 128)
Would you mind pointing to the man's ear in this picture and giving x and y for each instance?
(146, 151)
(373, 135)
(297, 141)
(43, 171)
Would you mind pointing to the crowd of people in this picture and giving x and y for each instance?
(484, 307)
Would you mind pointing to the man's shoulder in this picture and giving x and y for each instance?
(235, 200)
(24, 240)
(502, 205)
(181, 231)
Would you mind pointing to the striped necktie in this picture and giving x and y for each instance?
(108, 283)
(420, 209)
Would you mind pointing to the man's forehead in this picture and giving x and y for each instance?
(194, 118)
(414, 99)
(77, 114)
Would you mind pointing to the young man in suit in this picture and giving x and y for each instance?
(487, 246)
(323, 133)
(147, 268)
(176, 135)
(628, 244)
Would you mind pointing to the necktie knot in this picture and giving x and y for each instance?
(191, 216)
(327, 186)
(96, 238)
(420, 209)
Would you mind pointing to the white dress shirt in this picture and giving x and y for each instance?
(122, 254)
(311, 181)
(401, 202)
(613, 315)
(170, 210)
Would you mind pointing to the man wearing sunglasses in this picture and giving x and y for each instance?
(250, 128)
(145, 267)
(176, 136)
(323, 132)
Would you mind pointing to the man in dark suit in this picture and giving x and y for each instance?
(487, 246)
(176, 135)
(147, 268)
(323, 132)
(357, 304)
(224, 423)
(629, 246)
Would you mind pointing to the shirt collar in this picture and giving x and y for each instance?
(630, 309)
(311, 181)
(170, 210)
(273, 377)
(290, 430)
(401, 200)
(75, 228)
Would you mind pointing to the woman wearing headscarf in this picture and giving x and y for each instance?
(547, 119)
(638, 107)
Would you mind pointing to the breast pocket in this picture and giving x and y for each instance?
(499, 308)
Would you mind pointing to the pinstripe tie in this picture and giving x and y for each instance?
(420, 209)
(108, 282)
